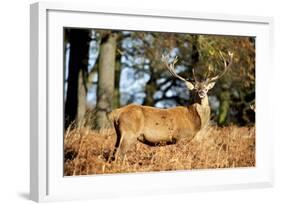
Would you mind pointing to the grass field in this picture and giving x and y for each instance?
(86, 151)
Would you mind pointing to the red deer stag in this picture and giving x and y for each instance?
(154, 125)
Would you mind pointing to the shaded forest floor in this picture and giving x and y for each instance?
(86, 151)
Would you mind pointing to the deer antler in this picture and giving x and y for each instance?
(194, 76)
(226, 66)
(208, 72)
(171, 66)
(171, 69)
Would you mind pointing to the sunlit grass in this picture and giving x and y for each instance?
(86, 152)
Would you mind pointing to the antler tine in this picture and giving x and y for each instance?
(208, 73)
(171, 66)
(226, 66)
(194, 76)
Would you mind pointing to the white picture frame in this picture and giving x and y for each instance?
(47, 182)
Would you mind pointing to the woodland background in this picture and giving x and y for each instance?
(106, 69)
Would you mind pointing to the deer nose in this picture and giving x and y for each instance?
(201, 93)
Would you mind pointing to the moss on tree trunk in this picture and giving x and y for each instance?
(224, 107)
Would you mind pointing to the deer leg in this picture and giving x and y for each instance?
(126, 142)
(124, 139)
(118, 140)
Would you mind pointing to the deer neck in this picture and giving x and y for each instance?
(203, 110)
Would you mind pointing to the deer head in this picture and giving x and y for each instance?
(200, 88)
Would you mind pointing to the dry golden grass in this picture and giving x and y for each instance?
(86, 151)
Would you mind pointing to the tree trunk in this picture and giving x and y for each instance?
(116, 98)
(82, 97)
(224, 107)
(150, 89)
(75, 105)
(106, 71)
(195, 53)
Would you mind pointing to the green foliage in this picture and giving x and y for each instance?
(239, 80)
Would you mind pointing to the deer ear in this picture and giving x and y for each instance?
(189, 85)
(211, 85)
